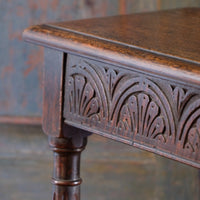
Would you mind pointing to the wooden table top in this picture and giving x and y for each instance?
(171, 33)
(166, 42)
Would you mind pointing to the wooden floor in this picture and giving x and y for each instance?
(110, 170)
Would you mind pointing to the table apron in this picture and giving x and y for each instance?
(140, 109)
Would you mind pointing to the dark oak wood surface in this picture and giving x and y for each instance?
(133, 107)
(132, 78)
(157, 61)
(52, 94)
(155, 31)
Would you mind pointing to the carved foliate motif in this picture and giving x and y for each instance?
(180, 96)
(82, 97)
(132, 106)
(140, 106)
(141, 116)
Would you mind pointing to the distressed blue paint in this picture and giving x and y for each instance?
(20, 88)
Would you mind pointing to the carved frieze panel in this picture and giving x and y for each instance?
(133, 107)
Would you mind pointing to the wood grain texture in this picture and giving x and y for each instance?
(52, 96)
(180, 62)
(171, 33)
(135, 108)
(67, 153)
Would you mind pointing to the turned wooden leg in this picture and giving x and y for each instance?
(66, 175)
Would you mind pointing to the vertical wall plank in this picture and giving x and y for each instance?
(122, 7)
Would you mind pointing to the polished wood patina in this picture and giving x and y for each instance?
(132, 78)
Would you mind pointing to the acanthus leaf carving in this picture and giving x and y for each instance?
(188, 134)
(141, 116)
(193, 138)
(134, 107)
(113, 77)
(82, 98)
(149, 110)
(180, 97)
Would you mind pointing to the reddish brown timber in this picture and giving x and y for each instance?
(164, 43)
(133, 78)
(67, 153)
(52, 95)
